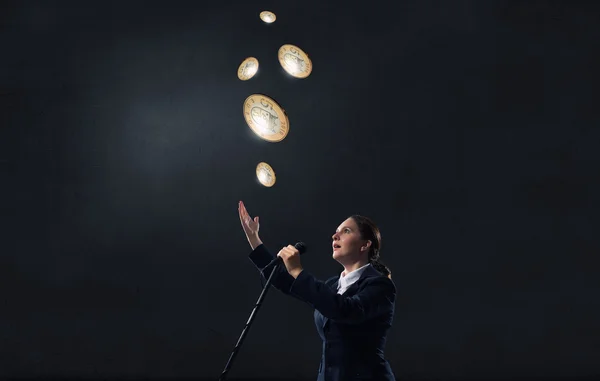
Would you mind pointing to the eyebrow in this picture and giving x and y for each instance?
(343, 227)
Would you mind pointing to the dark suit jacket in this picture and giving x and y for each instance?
(353, 326)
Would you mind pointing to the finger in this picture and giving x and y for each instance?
(241, 213)
(245, 220)
(244, 213)
(247, 215)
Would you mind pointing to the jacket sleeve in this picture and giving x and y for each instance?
(375, 298)
(282, 280)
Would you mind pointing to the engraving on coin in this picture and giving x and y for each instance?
(265, 174)
(248, 68)
(266, 118)
(294, 61)
(268, 17)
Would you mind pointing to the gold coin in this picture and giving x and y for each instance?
(294, 61)
(268, 17)
(265, 174)
(248, 68)
(266, 118)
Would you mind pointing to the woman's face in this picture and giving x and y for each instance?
(347, 243)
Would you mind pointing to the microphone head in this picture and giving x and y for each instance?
(301, 247)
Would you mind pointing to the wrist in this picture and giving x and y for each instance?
(254, 242)
(294, 273)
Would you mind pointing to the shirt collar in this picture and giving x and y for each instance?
(352, 276)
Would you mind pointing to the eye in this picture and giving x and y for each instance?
(347, 230)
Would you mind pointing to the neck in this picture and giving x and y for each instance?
(348, 268)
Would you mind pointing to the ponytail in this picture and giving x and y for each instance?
(376, 262)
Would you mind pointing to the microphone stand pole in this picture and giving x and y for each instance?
(248, 323)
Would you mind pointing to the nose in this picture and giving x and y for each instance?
(335, 236)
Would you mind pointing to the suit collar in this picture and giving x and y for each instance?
(368, 272)
(351, 278)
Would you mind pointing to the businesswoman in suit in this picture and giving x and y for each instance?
(353, 311)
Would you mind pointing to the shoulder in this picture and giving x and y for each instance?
(383, 283)
(371, 273)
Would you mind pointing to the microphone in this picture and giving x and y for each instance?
(300, 246)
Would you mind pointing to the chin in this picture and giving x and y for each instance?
(336, 255)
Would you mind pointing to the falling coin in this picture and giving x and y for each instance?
(294, 61)
(248, 68)
(265, 174)
(268, 17)
(266, 118)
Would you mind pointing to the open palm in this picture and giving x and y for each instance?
(249, 224)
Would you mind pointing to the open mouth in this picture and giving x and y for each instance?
(336, 246)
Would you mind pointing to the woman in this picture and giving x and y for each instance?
(353, 311)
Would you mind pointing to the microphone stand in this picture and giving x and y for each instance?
(249, 323)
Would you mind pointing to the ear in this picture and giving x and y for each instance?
(366, 246)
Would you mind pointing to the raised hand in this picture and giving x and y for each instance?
(250, 226)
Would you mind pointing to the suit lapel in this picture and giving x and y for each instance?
(334, 286)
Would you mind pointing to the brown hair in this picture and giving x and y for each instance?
(369, 231)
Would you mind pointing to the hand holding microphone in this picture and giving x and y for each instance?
(290, 255)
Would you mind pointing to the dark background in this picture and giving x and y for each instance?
(469, 130)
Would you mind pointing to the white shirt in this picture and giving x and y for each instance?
(347, 280)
